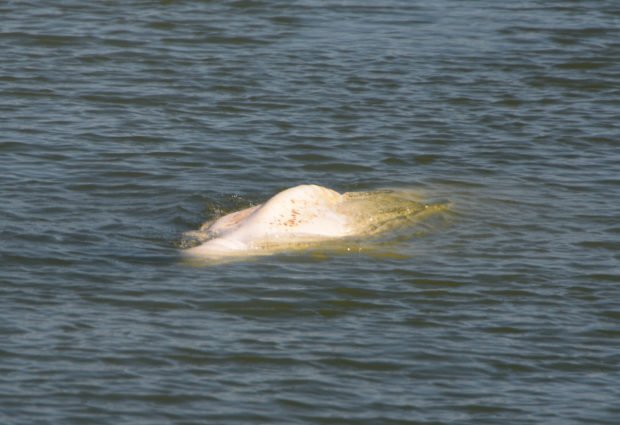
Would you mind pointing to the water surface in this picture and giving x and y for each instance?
(124, 125)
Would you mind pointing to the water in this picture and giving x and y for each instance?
(124, 125)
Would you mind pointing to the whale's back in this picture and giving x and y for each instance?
(309, 214)
(306, 210)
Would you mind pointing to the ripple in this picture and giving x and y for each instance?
(125, 128)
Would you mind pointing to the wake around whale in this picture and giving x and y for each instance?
(305, 216)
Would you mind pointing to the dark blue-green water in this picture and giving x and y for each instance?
(125, 124)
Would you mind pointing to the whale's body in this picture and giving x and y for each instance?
(302, 215)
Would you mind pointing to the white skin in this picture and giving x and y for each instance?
(307, 214)
(301, 212)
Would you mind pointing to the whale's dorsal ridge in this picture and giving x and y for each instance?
(305, 209)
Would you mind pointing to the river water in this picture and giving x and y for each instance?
(125, 124)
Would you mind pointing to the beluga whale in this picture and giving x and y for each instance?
(307, 216)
